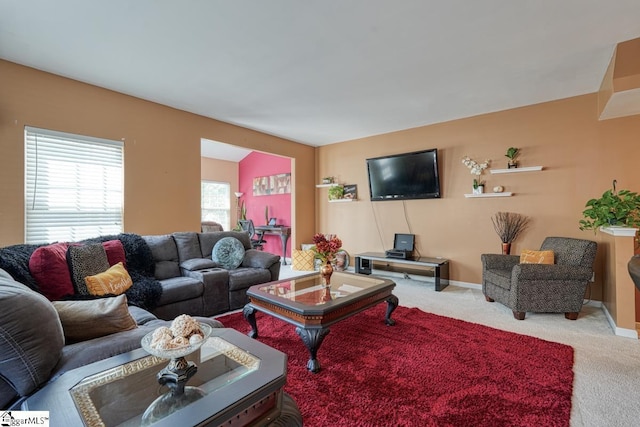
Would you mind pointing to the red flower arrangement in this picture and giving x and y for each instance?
(326, 246)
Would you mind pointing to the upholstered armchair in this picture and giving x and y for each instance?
(541, 288)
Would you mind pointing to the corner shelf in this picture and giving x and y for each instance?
(505, 194)
(517, 170)
(335, 184)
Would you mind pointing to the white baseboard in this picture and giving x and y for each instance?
(621, 332)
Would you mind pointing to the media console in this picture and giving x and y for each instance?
(368, 261)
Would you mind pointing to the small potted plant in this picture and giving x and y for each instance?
(512, 153)
(336, 192)
(613, 208)
(328, 180)
(476, 169)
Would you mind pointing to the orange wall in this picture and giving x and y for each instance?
(581, 156)
(162, 150)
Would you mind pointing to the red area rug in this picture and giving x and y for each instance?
(427, 370)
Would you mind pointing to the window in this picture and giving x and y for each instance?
(216, 205)
(74, 186)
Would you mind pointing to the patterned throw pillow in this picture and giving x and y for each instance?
(86, 260)
(302, 260)
(114, 281)
(536, 257)
(228, 252)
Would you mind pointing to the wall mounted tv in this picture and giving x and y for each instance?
(404, 176)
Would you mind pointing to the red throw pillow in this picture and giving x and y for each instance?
(115, 252)
(48, 266)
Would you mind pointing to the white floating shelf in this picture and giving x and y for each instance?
(505, 194)
(341, 200)
(517, 170)
(327, 185)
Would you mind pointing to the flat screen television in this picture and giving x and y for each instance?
(404, 176)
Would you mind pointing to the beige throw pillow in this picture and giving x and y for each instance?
(88, 319)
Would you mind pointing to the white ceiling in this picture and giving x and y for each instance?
(320, 72)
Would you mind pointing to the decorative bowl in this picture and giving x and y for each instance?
(175, 353)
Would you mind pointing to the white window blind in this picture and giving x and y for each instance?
(216, 202)
(74, 186)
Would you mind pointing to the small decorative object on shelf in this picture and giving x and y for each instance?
(617, 208)
(476, 169)
(498, 189)
(350, 191)
(328, 180)
(336, 192)
(512, 153)
(509, 226)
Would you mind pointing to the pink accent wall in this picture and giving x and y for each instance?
(257, 165)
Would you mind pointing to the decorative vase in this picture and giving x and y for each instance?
(512, 164)
(326, 271)
(478, 190)
(506, 248)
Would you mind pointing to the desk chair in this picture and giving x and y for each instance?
(248, 226)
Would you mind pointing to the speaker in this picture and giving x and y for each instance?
(363, 265)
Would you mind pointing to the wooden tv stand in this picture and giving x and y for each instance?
(368, 261)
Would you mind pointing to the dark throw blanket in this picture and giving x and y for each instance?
(145, 292)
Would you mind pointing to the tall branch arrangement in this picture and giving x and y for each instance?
(509, 225)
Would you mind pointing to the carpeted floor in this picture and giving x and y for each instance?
(606, 386)
(427, 370)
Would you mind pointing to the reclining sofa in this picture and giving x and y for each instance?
(172, 274)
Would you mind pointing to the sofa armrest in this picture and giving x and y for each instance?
(259, 259)
(499, 262)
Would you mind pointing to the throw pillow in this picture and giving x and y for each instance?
(48, 266)
(88, 319)
(228, 252)
(302, 260)
(86, 260)
(114, 281)
(536, 257)
(115, 252)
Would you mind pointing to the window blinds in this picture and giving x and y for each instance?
(74, 186)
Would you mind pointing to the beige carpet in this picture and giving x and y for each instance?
(606, 390)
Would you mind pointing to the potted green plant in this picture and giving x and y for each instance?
(336, 192)
(512, 153)
(617, 208)
(327, 180)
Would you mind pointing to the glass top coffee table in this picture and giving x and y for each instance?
(312, 307)
(241, 383)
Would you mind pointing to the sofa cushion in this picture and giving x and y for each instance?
(209, 240)
(164, 251)
(243, 278)
(180, 289)
(115, 252)
(48, 266)
(86, 260)
(85, 320)
(31, 337)
(228, 252)
(114, 281)
(195, 264)
(188, 245)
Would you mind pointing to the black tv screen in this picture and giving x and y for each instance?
(404, 176)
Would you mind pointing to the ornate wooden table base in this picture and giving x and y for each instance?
(313, 335)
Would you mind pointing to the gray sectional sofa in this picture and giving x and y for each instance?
(193, 283)
(178, 268)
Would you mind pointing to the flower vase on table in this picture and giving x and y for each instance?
(326, 271)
